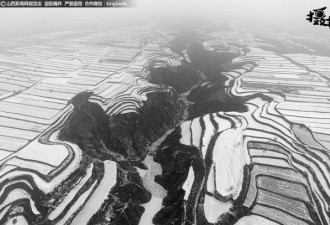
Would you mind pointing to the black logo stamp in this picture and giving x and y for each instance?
(318, 17)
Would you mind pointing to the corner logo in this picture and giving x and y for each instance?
(318, 17)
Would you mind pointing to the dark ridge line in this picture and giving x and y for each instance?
(225, 117)
(37, 73)
(100, 91)
(42, 64)
(214, 123)
(60, 113)
(245, 186)
(99, 98)
(21, 138)
(121, 95)
(29, 215)
(26, 115)
(288, 121)
(216, 193)
(209, 194)
(317, 157)
(199, 174)
(15, 78)
(207, 165)
(27, 104)
(285, 150)
(277, 167)
(32, 106)
(318, 203)
(21, 74)
(37, 69)
(119, 105)
(286, 196)
(208, 161)
(324, 151)
(253, 104)
(296, 110)
(293, 146)
(285, 212)
(1, 149)
(12, 91)
(4, 92)
(202, 123)
(272, 157)
(97, 70)
(298, 99)
(321, 133)
(325, 195)
(308, 205)
(94, 74)
(281, 151)
(35, 161)
(42, 85)
(45, 178)
(272, 126)
(274, 78)
(271, 119)
(53, 89)
(314, 198)
(311, 160)
(44, 139)
(19, 148)
(48, 91)
(324, 139)
(122, 83)
(270, 150)
(191, 133)
(34, 94)
(35, 194)
(83, 189)
(267, 218)
(280, 85)
(59, 66)
(310, 192)
(12, 187)
(315, 126)
(100, 68)
(44, 100)
(71, 180)
(20, 85)
(81, 84)
(302, 66)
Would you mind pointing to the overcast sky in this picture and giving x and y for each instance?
(285, 13)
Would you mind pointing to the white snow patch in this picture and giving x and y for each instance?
(213, 208)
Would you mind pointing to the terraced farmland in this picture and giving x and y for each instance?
(144, 126)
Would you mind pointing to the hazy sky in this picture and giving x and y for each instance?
(286, 13)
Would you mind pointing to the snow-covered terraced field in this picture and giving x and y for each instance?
(90, 135)
(262, 140)
(304, 86)
(273, 158)
(39, 172)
